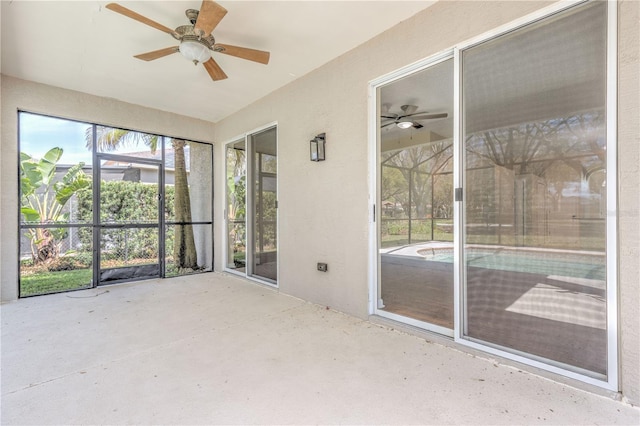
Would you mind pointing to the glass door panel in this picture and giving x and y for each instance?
(416, 198)
(129, 219)
(236, 206)
(535, 190)
(264, 204)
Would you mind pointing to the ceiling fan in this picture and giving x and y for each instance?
(408, 117)
(196, 40)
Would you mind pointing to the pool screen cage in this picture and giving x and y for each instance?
(416, 196)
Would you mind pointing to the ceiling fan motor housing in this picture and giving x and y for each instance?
(192, 15)
(186, 32)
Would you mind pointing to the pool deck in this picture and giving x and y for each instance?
(548, 315)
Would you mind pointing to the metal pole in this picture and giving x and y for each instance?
(96, 207)
(432, 186)
(410, 201)
(260, 206)
(162, 238)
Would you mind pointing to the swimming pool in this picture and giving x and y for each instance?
(552, 262)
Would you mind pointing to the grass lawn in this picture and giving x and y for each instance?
(50, 282)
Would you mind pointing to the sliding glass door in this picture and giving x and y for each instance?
(264, 202)
(251, 206)
(519, 259)
(416, 198)
(535, 202)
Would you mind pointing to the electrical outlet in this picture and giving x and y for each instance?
(322, 267)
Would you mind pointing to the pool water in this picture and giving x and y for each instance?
(544, 263)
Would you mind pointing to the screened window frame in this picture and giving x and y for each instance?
(95, 223)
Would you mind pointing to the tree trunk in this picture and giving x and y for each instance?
(46, 248)
(184, 248)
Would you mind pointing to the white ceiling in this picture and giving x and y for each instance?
(81, 45)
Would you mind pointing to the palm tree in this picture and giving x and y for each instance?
(184, 248)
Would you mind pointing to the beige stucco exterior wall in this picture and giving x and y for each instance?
(629, 196)
(324, 207)
(24, 95)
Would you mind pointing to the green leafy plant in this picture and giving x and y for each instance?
(43, 200)
(122, 201)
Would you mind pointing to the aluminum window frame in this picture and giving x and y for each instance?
(374, 278)
(249, 215)
(95, 225)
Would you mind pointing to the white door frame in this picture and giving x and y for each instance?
(375, 301)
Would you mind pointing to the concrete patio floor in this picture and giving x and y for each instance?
(215, 349)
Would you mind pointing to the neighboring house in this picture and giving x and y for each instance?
(118, 170)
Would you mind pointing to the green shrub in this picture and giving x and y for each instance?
(84, 258)
(25, 263)
(65, 263)
(125, 202)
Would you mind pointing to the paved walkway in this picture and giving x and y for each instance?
(215, 349)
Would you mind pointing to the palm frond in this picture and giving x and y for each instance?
(109, 139)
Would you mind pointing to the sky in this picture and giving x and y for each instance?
(39, 133)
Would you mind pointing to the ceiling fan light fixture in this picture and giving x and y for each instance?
(404, 124)
(195, 51)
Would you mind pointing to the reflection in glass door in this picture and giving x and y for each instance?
(416, 199)
(264, 204)
(535, 191)
(251, 206)
(128, 233)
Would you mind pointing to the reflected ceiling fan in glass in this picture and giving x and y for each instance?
(408, 118)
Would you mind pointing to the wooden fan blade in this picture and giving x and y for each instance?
(382, 126)
(150, 56)
(417, 125)
(214, 70)
(242, 52)
(428, 116)
(393, 117)
(210, 15)
(136, 16)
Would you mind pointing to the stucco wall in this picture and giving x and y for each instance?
(324, 207)
(629, 195)
(20, 94)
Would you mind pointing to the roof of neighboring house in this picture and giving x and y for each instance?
(169, 160)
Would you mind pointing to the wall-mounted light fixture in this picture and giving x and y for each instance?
(317, 147)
